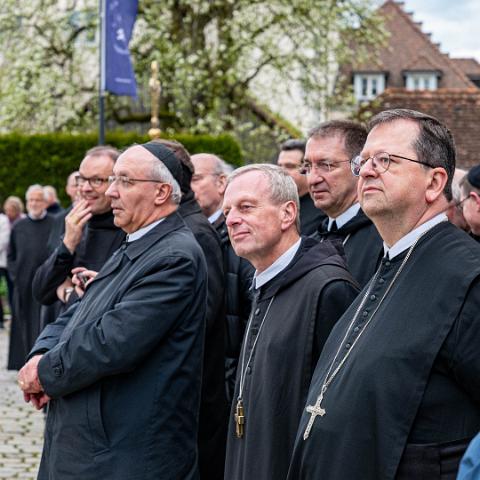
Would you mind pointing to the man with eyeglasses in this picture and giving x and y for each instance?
(396, 391)
(470, 203)
(330, 147)
(90, 235)
(121, 369)
(290, 159)
(454, 211)
(209, 181)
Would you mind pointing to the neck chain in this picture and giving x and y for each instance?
(239, 415)
(317, 409)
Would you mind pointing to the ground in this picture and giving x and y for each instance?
(21, 426)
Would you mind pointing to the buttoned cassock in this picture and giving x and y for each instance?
(123, 365)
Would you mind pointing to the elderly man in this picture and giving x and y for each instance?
(28, 250)
(90, 235)
(208, 183)
(290, 159)
(301, 287)
(121, 369)
(330, 147)
(396, 391)
(470, 203)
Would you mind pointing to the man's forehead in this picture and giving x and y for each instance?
(134, 159)
(249, 184)
(203, 163)
(36, 194)
(324, 145)
(398, 133)
(290, 156)
(97, 163)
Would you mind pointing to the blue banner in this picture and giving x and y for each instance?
(120, 18)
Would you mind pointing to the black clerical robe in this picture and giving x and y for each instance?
(362, 244)
(299, 307)
(311, 217)
(213, 404)
(408, 396)
(28, 250)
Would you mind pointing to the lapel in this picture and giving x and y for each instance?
(135, 249)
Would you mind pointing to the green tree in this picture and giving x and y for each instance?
(214, 55)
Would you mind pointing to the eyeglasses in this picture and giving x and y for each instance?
(94, 182)
(380, 162)
(200, 176)
(126, 182)
(322, 167)
(461, 203)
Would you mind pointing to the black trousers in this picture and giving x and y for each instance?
(432, 462)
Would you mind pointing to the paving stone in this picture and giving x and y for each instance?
(21, 426)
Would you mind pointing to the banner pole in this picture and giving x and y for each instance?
(101, 92)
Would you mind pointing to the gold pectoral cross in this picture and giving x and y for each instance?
(239, 419)
(315, 411)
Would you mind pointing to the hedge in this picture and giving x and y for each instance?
(48, 159)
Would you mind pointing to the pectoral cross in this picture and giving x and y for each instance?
(239, 419)
(315, 411)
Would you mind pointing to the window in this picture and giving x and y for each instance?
(368, 85)
(421, 81)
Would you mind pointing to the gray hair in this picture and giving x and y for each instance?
(34, 188)
(456, 184)
(221, 167)
(161, 173)
(434, 144)
(282, 186)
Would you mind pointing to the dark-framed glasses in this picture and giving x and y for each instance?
(94, 182)
(380, 162)
(323, 166)
(461, 203)
(126, 182)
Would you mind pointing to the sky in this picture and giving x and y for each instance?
(453, 23)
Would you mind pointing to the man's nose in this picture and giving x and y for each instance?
(111, 191)
(368, 169)
(232, 218)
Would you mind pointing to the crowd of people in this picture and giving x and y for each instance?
(315, 319)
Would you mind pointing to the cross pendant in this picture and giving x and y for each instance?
(314, 410)
(239, 419)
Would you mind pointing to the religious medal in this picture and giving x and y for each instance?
(239, 419)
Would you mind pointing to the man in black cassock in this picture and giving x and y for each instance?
(208, 183)
(330, 147)
(28, 249)
(300, 288)
(213, 404)
(290, 159)
(121, 369)
(396, 391)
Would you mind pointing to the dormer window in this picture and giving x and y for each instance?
(421, 81)
(367, 86)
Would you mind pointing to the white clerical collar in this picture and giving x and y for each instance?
(131, 237)
(40, 217)
(276, 267)
(410, 238)
(214, 217)
(345, 217)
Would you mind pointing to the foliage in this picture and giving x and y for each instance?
(48, 159)
(214, 55)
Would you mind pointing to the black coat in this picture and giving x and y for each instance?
(238, 280)
(413, 377)
(213, 406)
(28, 250)
(362, 244)
(123, 365)
(300, 306)
(311, 217)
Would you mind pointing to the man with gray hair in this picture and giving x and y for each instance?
(121, 369)
(455, 207)
(300, 288)
(209, 181)
(28, 250)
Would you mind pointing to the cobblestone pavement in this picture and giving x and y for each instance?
(21, 426)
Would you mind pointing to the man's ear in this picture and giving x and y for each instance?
(221, 183)
(163, 192)
(476, 199)
(288, 212)
(436, 181)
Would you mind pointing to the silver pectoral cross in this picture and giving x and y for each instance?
(315, 411)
